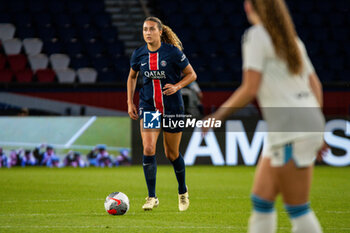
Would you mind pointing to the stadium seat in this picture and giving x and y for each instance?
(109, 34)
(17, 6)
(23, 20)
(315, 20)
(56, 7)
(24, 76)
(7, 31)
(176, 21)
(115, 49)
(74, 48)
(59, 61)
(196, 21)
(121, 64)
(5, 18)
(82, 20)
(216, 21)
(203, 35)
(62, 20)
(169, 7)
(6, 75)
(101, 64)
(203, 77)
(107, 77)
(87, 75)
(65, 75)
(17, 62)
(227, 7)
(43, 20)
(67, 34)
(324, 7)
(25, 32)
(38, 61)
(45, 75)
(79, 62)
(75, 7)
(102, 20)
(209, 8)
(37, 6)
(95, 7)
(222, 35)
(47, 33)
(95, 49)
(88, 34)
(32, 46)
(2, 61)
(53, 46)
(185, 34)
(189, 7)
(336, 63)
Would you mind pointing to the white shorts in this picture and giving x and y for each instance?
(303, 151)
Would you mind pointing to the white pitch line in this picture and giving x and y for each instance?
(80, 131)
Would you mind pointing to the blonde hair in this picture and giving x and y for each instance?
(278, 22)
(168, 35)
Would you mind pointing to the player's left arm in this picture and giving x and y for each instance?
(189, 76)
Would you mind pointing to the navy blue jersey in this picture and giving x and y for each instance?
(157, 69)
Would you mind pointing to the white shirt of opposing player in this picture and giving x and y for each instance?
(288, 104)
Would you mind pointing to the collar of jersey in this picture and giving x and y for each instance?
(161, 44)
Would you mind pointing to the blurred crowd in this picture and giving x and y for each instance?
(45, 155)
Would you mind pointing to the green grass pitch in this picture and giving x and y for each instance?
(71, 200)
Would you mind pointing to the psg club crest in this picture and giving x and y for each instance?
(151, 120)
(163, 63)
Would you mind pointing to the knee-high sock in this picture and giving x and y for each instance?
(303, 219)
(263, 218)
(179, 168)
(150, 171)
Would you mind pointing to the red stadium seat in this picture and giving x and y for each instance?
(2, 61)
(24, 76)
(17, 62)
(45, 75)
(6, 75)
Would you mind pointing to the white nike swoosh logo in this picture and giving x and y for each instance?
(142, 64)
(146, 164)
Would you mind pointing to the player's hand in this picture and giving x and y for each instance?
(322, 152)
(132, 111)
(170, 89)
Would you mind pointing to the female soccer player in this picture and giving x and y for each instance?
(277, 70)
(160, 63)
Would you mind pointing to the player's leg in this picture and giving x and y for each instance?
(295, 184)
(265, 189)
(171, 148)
(149, 141)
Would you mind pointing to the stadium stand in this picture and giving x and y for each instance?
(57, 38)
(211, 32)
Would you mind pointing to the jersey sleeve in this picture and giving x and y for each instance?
(309, 68)
(134, 61)
(180, 58)
(253, 51)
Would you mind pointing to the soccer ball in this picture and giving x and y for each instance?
(117, 203)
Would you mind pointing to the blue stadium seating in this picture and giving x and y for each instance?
(323, 25)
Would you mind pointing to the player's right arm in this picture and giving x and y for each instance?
(131, 86)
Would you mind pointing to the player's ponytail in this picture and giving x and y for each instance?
(168, 35)
(278, 22)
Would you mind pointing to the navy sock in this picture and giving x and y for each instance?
(150, 171)
(179, 168)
